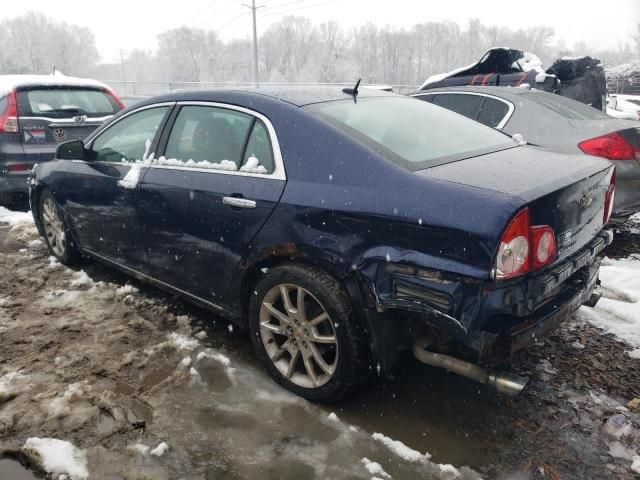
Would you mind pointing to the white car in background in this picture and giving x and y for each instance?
(624, 106)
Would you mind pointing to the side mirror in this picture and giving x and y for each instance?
(72, 150)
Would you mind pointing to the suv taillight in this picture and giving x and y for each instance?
(612, 147)
(9, 118)
(524, 248)
(115, 99)
(609, 198)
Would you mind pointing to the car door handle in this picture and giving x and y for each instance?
(238, 202)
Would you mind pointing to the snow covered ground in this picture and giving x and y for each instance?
(618, 311)
(100, 378)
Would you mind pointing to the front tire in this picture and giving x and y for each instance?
(306, 334)
(56, 232)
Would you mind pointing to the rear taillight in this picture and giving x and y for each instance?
(609, 198)
(524, 248)
(544, 246)
(18, 167)
(612, 146)
(9, 118)
(115, 99)
(513, 255)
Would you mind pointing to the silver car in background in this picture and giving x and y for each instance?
(557, 123)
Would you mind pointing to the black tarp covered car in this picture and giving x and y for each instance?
(580, 78)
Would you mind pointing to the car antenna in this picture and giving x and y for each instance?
(352, 91)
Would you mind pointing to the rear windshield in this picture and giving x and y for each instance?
(567, 107)
(411, 133)
(63, 102)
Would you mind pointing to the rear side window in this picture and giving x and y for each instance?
(412, 134)
(467, 105)
(129, 139)
(65, 102)
(259, 149)
(492, 112)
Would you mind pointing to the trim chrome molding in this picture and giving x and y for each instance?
(500, 125)
(90, 121)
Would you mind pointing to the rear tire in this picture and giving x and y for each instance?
(314, 347)
(57, 235)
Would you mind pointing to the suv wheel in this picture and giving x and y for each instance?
(57, 235)
(305, 333)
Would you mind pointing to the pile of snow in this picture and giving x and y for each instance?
(183, 343)
(174, 162)
(253, 166)
(217, 356)
(62, 406)
(126, 290)
(374, 468)
(529, 62)
(401, 450)
(57, 457)
(143, 449)
(160, 450)
(11, 385)
(15, 218)
(81, 279)
(618, 311)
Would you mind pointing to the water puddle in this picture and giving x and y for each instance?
(13, 470)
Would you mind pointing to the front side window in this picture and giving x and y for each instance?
(212, 137)
(129, 139)
(414, 135)
(492, 112)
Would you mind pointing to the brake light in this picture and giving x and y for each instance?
(115, 99)
(544, 246)
(9, 118)
(524, 248)
(513, 257)
(612, 147)
(18, 167)
(609, 198)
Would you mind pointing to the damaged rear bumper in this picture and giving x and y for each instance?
(493, 320)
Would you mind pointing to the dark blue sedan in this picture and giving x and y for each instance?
(338, 227)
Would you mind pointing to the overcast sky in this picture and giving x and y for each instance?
(129, 24)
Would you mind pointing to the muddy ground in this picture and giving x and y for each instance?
(114, 367)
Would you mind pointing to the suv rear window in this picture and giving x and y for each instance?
(412, 134)
(64, 102)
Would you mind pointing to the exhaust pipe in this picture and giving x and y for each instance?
(504, 382)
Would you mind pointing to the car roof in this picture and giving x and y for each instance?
(9, 83)
(294, 95)
(504, 92)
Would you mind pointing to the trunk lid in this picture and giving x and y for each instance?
(565, 192)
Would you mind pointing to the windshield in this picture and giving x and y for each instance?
(412, 133)
(63, 102)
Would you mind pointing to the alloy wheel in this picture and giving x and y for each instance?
(53, 227)
(298, 336)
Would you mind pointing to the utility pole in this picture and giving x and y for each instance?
(255, 39)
